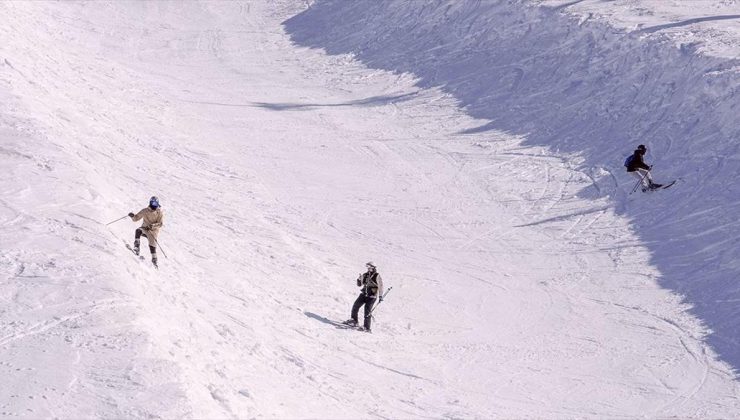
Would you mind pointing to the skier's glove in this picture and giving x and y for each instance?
(131, 215)
(146, 228)
(381, 298)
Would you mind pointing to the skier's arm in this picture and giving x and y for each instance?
(359, 280)
(159, 223)
(380, 286)
(640, 163)
(138, 215)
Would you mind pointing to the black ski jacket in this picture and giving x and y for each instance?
(637, 162)
(371, 283)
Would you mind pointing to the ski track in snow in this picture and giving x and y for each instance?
(521, 286)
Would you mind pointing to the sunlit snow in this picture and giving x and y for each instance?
(471, 149)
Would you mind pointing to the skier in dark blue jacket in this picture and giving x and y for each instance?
(636, 165)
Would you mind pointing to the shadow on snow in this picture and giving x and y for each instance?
(586, 89)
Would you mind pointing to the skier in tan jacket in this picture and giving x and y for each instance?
(152, 221)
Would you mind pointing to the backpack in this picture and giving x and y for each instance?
(370, 284)
(628, 161)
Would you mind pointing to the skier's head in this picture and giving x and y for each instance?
(642, 148)
(154, 203)
(370, 266)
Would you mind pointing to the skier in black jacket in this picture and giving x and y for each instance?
(637, 166)
(372, 288)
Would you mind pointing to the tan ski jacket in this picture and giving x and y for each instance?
(153, 220)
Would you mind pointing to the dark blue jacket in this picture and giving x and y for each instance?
(637, 162)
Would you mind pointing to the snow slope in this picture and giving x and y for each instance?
(448, 142)
(579, 87)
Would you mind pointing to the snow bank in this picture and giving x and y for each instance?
(582, 87)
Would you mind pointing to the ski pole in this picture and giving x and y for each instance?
(382, 298)
(117, 220)
(639, 182)
(158, 245)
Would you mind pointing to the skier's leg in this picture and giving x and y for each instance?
(153, 250)
(642, 175)
(356, 307)
(137, 235)
(648, 179)
(369, 302)
(651, 183)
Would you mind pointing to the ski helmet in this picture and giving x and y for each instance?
(154, 203)
(642, 147)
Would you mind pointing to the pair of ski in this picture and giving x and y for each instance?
(350, 325)
(662, 187)
(141, 257)
(647, 190)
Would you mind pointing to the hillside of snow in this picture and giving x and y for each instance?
(472, 150)
(592, 93)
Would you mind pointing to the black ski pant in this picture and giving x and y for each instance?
(368, 301)
(139, 233)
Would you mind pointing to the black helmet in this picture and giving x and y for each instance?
(642, 147)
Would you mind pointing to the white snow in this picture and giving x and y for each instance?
(472, 150)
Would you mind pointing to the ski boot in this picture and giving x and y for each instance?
(154, 262)
(654, 186)
(136, 247)
(350, 322)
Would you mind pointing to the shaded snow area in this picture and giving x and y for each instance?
(471, 149)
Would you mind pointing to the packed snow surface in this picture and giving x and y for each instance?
(471, 149)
